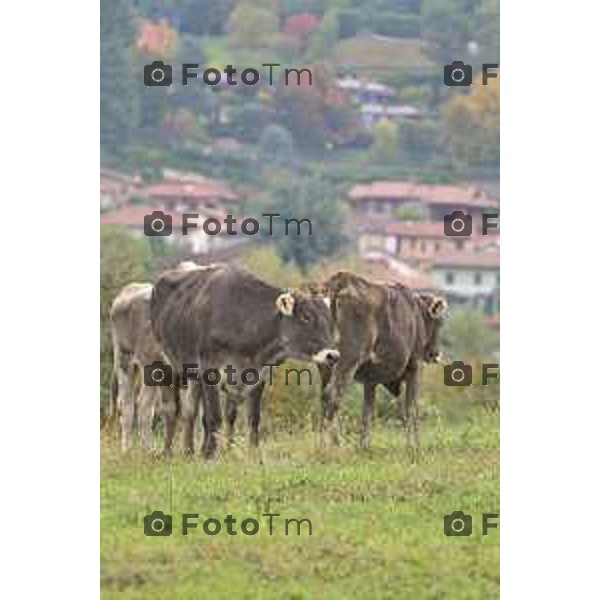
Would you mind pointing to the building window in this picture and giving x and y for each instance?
(477, 278)
(460, 244)
(423, 247)
(437, 246)
(449, 278)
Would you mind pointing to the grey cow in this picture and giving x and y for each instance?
(134, 346)
(221, 316)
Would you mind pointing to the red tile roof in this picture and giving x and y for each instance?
(481, 260)
(429, 194)
(199, 191)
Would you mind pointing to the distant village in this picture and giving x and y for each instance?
(398, 229)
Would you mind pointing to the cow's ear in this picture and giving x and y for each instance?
(438, 307)
(285, 304)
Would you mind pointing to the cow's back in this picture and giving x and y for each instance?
(210, 310)
(379, 324)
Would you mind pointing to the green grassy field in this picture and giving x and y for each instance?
(377, 516)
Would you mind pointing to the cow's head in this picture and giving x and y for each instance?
(307, 327)
(434, 309)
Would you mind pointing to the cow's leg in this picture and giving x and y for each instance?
(231, 410)
(254, 412)
(395, 388)
(190, 404)
(211, 419)
(169, 413)
(147, 402)
(412, 406)
(333, 395)
(126, 403)
(367, 414)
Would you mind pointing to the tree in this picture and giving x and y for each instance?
(385, 145)
(301, 27)
(316, 113)
(447, 26)
(119, 85)
(325, 37)
(471, 125)
(306, 198)
(487, 31)
(276, 147)
(250, 26)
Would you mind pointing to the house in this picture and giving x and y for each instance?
(189, 192)
(384, 199)
(118, 188)
(412, 242)
(371, 114)
(195, 243)
(469, 278)
(375, 101)
(366, 92)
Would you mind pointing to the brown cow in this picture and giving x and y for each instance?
(134, 346)
(386, 332)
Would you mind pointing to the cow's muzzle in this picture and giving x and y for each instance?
(328, 356)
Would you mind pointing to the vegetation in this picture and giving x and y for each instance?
(377, 516)
(402, 43)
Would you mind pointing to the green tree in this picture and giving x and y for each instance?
(306, 198)
(447, 26)
(119, 88)
(487, 31)
(276, 147)
(385, 141)
(471, 126)
(324, 38)
(250, 26)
